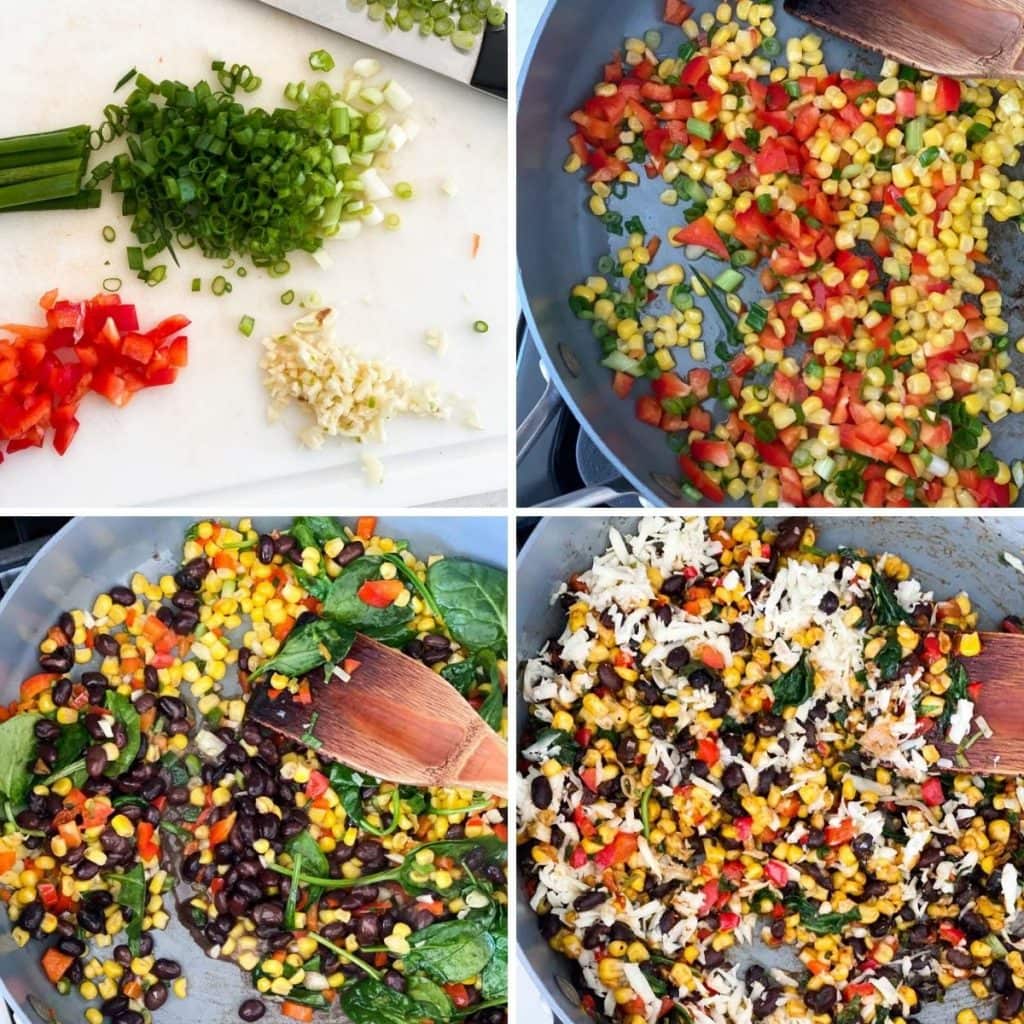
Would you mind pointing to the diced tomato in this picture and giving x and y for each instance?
(648, 410)
(317, 785)
(772, 159)
(578, 858)
(589, 778)
(585, 826)
(622, 384)
(947, 95)
(836, 835)
(707, 751)
(777, 872)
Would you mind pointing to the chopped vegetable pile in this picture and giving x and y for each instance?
(740, 736)
(201, 169)
(126, 765)
(461, 21)
(871, 370)
(94, 345)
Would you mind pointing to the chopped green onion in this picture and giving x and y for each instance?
(702, 129)
(197, 284)
(794, 90)
(219, 285)
(392, 222)
(977, 133)
(109, 234)
(480, 326)
(135, 260)
(112, 284)
(321, 60)
(765, 203)
(246, 325)
(156, 275)
(757, 317)
(125, 79)
(404, 190)
(287, 298)
(907, 207)
(914, 134)
(771, 46)
(729, 280)
(929, 156)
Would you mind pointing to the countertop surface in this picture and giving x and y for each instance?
(207, 439)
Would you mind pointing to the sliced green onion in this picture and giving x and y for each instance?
(109, 234)
(929, 156)
(135, 260)
(125, 79)
(219, 285)
(246, 325)
(765, 204)
(156, 275)
(321, 60)
(392, 222)
(757, 317)
(729, 280)
(977, 133)
(404, 190)
(197, 284)
(287, 298)
(112, 284)
(914, 135)
(481, 326)
(702, 129)
(771, 46)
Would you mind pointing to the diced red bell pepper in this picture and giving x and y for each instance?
(931, 792)
(583, 823)
(589, 779)
(578, 858)
(718, 453)
(700, 479)
(702, 232)
(676, 12)
(618, 851)
(947, 95)
(777, 872)
(380, 593)
(707, 751)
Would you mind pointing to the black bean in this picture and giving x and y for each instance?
(284, 544)
(540, 792)
(369, 850)
(265, 553)
(350, 552)
(167, 970)
(123, 955)
(1000, 978)
(974, 924)
(61, 692)
(252, 1009)
(829, 603)
(767, 724)
(588, 900)
(156, 996)
(608, 677)
(268, 914)
(961, 959)
(46, 730)
(122, 595)
(129, 1017)
(31, 916)
(678, 659)
(367, 930)
(185, 601)
(1010, 1005)
(90, 919)
(106, 645)
(790, 534)
(663, 613)
(95, 761)
(821, 1000)
(673, 586)
(113, 1006)
(185, 623)
(395, 980)
(72, 946)
(737, 637)
(59, 661)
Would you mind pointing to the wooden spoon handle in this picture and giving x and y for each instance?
(962, 38)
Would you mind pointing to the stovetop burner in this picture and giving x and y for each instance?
(20, 539)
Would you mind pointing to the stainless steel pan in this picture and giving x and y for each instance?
(948, 554)
(85, 558)
(559, 241)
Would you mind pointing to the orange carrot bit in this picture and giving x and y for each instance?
(55, 964)
(365, 526)
(49, 299)
(476, 244)
(296, 1011)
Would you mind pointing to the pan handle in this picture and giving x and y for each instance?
(538, 418)
(590, 497)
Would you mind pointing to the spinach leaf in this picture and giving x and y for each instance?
(131, 894)
(794, 687)
(957, 691)
(814, 921)
(372, 1002)
(888, 659)
(293, 894)
(430, 997)
(71, 745)
(348, 783)
(306, 847)
(473, 599)
(888, 611)
(450, 951)
(416, 583)
(312, 643)
(344, 606)
(494, 980)
(410, 873)
(494, 703)
(316, 531)
(319, 586)
(17, 755)
(461, 675)
(851, 1013)
(124, 711)
(307, 997)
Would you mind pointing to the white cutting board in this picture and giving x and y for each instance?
(207, 436)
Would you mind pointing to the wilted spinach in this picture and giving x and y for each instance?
(450, 951)
(370, 1001)
(814, 921)
(473, 599)
(17, 754)
(131, 895)
(310, 644)
(794, 687)
(888, 611)
(124, 711)
(343, 605)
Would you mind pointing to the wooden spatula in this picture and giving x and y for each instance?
(960, 38)
(1000, 669)
(394, 719)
